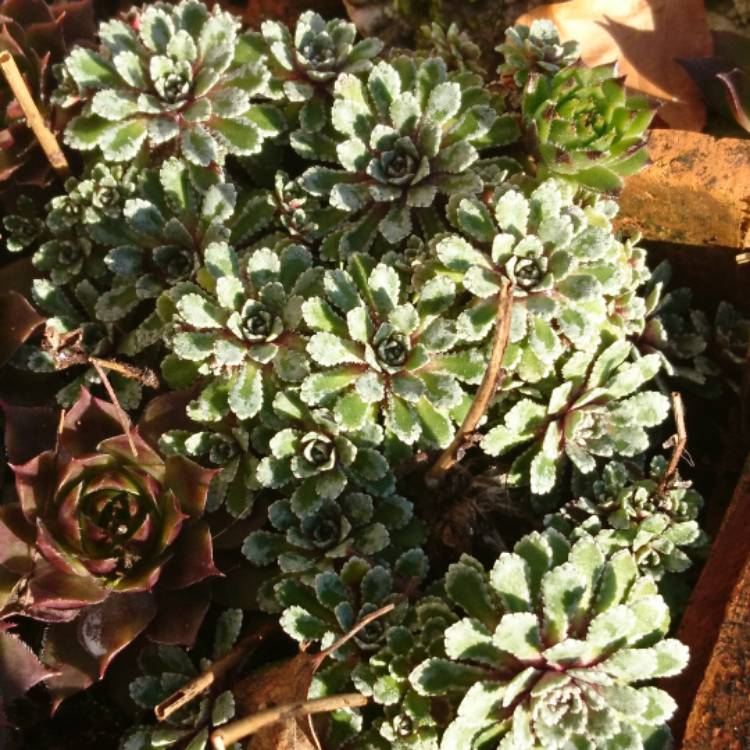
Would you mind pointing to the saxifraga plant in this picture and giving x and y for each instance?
(310, 238)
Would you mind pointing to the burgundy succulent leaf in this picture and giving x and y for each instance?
(102, 524)
(29, 430)
(18, 322)
(180, 614)
(20, 668)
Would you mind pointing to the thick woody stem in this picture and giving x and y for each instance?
(489, 385)
(214, 673)
(34, 118)
(238, 730)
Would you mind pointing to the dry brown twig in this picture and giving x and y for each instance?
(121, 415)
(238, 730)
(680, 441)
(144, 376)
(487, 389)
(34, 117)
(214, 673)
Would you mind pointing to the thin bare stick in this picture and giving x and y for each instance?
(361, 625)
(680, 441)
(34, 118)
(143, 376)
(214, 673)
(122, 416)
(490, 382)
(242, 728)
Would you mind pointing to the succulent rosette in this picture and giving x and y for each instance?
(169, 76)
(534, 49)
(593, 407)
(569, 272)
(694, 348)
(302, 217)
(101, 532)
(165, 669)
(318, 458)
(304, 63)
(355, 523)
(411, 721)
(586, 127)
(374, 351)
(453, 45)
(554, 653)
(334, 602)
(314, 54)
(411, 132)
(240, 333)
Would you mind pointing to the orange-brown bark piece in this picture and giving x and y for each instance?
(647, 38)
(720, 717)
(708, 626)
(695, 192)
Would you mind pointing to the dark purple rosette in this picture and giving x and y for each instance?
(106, 541)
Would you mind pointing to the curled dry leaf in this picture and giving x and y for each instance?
(283, 683)
(647, 37)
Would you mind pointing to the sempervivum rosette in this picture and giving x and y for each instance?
(104, 531)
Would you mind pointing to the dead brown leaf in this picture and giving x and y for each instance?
(647, 37)
(279, 684)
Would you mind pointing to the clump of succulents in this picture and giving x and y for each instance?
(101, 520)
(554, 649)
(164, 670)
(170, 79)
(410, 132)
(586, 127)
(655, 517)
(534, 49)
(594, 407)
(694, 348)
(312, 239)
